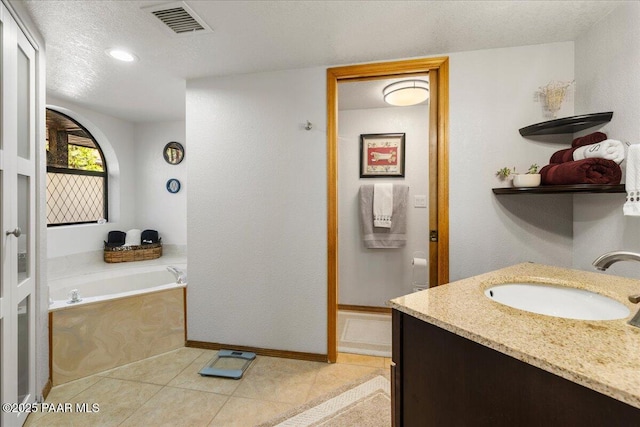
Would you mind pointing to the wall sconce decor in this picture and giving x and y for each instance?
(553, 95)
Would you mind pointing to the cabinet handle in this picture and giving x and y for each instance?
(17, 232)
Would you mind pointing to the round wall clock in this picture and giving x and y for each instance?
(173, 185)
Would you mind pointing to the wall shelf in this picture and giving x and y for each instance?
(567, 124)
(559, 126)
(557, 189)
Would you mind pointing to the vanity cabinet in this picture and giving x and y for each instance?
(442, 379)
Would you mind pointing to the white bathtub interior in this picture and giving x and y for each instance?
(111, 284)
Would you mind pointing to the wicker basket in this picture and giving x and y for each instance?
(132, 253)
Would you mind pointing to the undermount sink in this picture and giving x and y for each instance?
(557, 301)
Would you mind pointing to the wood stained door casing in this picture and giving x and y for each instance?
(438, 69)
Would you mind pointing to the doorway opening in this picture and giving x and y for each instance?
(438, 225)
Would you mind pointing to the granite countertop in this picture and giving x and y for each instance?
(601, 355)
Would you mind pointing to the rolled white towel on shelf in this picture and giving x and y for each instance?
(632, 184)
(609, 149)
(133, 237)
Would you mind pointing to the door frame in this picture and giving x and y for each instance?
(438, 70)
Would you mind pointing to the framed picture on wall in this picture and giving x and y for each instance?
(382, 155)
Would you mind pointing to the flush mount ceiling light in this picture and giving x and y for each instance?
(122, 55)
(406, 92)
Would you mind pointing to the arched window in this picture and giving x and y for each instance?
(76, 173)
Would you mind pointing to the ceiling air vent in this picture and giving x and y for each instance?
(178, 18)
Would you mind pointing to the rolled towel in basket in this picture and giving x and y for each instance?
(133, 238)
(609, 149)
(149, 236)
(115, 238)
(587, 171)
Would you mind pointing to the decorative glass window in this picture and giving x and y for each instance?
(76, 173)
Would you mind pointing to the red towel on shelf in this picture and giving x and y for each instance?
(592, 138)
(563, 156)
(587, 171)
(566, 155)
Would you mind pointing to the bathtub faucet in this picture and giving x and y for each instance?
(181, 275)
(74, 297)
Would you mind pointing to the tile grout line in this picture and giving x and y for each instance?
(219, 410)
(142, 404)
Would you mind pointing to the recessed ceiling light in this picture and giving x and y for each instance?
(122, 55)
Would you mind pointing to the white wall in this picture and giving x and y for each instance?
(491, 97)
(257, 191)
(257, 210)
(373, 276)
(156, 208)
(607, 65)
(116, 139)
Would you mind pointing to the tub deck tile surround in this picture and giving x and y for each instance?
(601, 355)
(96, 337)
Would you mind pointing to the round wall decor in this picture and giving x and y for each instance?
(173, 186)
(173, 152)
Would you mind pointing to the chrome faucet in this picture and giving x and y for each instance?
(180, 275)
(74, 297)
(605, 261)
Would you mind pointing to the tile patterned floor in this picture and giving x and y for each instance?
(166, 390)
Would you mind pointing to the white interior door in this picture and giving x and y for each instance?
(17, 220)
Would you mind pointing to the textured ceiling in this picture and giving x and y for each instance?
(251, 36)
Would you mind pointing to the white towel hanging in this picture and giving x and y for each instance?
(632, 182)
(382, 205)
(384, 238)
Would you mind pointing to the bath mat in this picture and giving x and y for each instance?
(228, 364)
(364, 333)
(367, 402)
